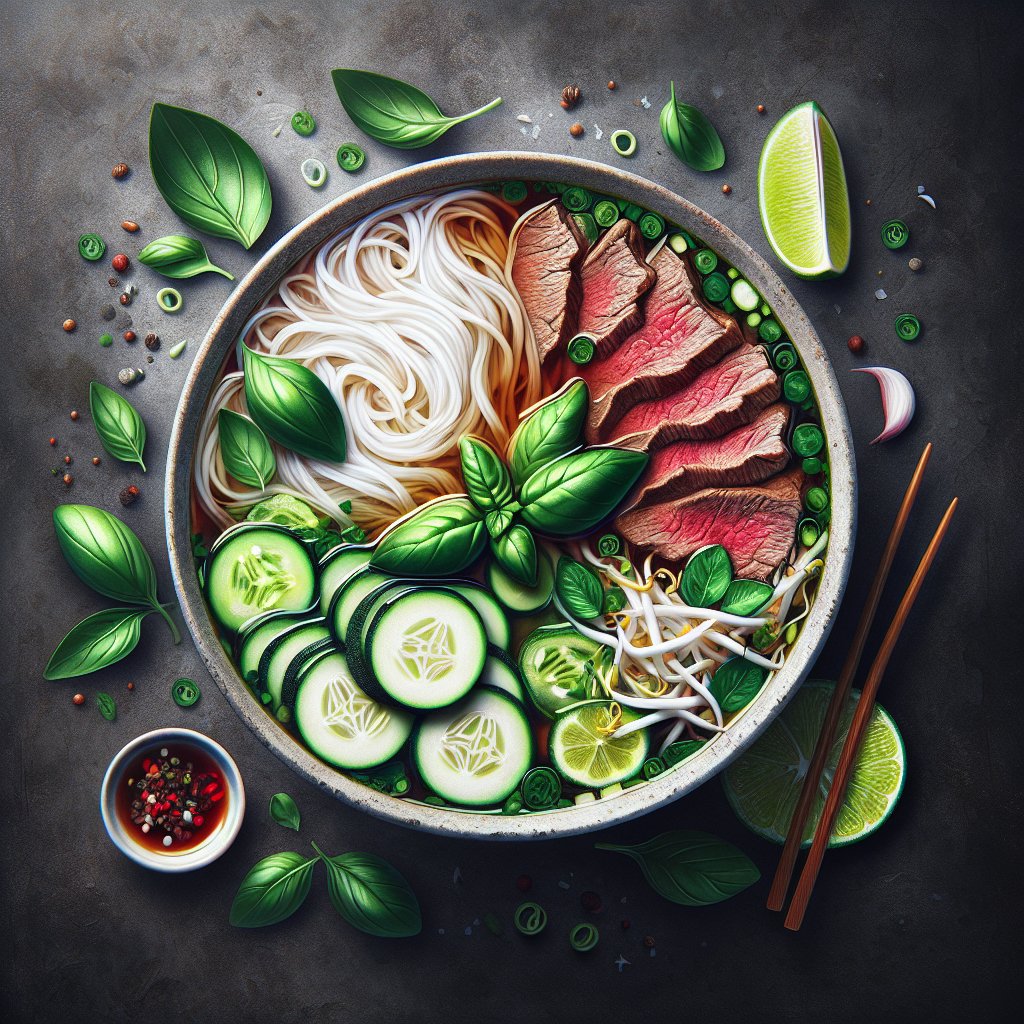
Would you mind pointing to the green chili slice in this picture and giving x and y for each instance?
(513, 191)
(185, 693)
(582, 349)
(895, 234)
(169, 300)
(908, 327)
(303, 123)
(530, 918)
(576, 199)
(623, 142)
(91, 247)
(606, 213)
(583, 937)
(350, 157)
(705, 261)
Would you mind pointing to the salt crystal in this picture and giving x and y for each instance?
(168, 840)
(535, 132)
(163, 751)
(645, 103)
(837, 309)
(717, 91)
(525, 118)
(880, 294)
(621, 962)
(468, 931)
(597, 132)
(920, 189)
(653, 951)
(563, 885)
(525, 130)
(276, 131)
(187, 817)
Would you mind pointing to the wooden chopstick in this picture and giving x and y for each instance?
(861, 717)
(791, 848)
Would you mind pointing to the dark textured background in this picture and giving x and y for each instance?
(919, 922)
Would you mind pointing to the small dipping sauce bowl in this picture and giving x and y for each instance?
(204, 802)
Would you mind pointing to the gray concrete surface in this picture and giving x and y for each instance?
(916, 924)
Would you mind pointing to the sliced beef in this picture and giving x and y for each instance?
(756, 525)
(615, 277)
(679, 338)
(723, 397)
(548, 252)
(747, 455)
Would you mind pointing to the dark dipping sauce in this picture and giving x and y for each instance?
(175, 792)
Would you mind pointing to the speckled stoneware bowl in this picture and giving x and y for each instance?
(444, 174)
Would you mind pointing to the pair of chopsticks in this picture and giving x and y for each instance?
(861, 717)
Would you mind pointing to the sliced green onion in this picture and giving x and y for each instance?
(169, 300)
(541, 788)
(185, 693)
(586, 223)
(653, 767)
(576, 199)
(908, 327)
(91, 247)
(583, 937)
(351, 157)
(728, 305)
(784, 357)
(807, 440)
(769, 330)
(753, 319)
(732, 273)
(796, 386)
(811, 467)
(744, 296)
(895, 234)
(303, 123)
(766, 310)
(581, 349)
(608, 545)
(715, 287)
(809, 532)
(513, 191)
(816, 500)
(630, 210)
(606, 213)
(513, 805)
(651, 226)
(314, 173)
(705, 261)
(677, 243)
(530, 918)
(623, 142)
(614, 600)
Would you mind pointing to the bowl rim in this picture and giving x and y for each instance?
(445, 174)
(199, 856)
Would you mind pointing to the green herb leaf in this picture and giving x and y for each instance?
(737, 682)
(208, 175)
(690, 135)
(96, 642)
(440, 539)
(549, 432)
(691, 868)
(285, 510)
(487, 481)
(707, 576)
(121, 430)
(285, 811)
(497, 522)
(291, 404)
(178, 256)
(245, 450)
(371, 895)
(578, 588)
(744, 597)
(107, 706)
(573, 494)
(393, 112)
(272, 890)
(516, 552)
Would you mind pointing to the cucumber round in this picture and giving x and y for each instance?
(336, 567)
(584, 754)
(256, 568)
(282, 650)
(496, 624)
(552, 662)
(425, 649)
(348, 596)
(500, 671)
(340, 723)
(516, 596)
(475, 753)
(257, 636)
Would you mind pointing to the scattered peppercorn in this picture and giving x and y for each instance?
(131, 687)
(648, 942)
(120, 170)
(95, 460)
(78, 700)
(67, 460)
(53, 442)
(576, 130)
(74, 414)
(113, 282)
(611, 84)
(590, 902)
(129, 495)
(760, 108)
(130, 226)
(120, 263)
(69, 325)
(916, 264)
(68, 479)
(152, 342)
(867, 202)
(571, 96)
(125, 299)
(524, 883)
(856, 343)
(149, 359)
(726, 189)
(259, 92)
(129, 336)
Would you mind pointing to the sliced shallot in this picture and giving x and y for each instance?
(898, 402)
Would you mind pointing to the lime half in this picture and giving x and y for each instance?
(763, 785)
(801, 191)
(583, 750)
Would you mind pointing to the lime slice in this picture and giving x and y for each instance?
(801, 187)
(584, 752)
(764, 783)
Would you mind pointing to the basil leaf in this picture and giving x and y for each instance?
(393, 112)
(179, 256)
(744, 597)
(291, 404)
(691, 868)
(516, 552)
(487, 481)
(737, 682)
(245, 450)
(440, 539)
(690, 135)
(121, 430)
(285, 510)
(285, 811)
(371, 895)
(272, 890)
(707, 576)
(549, 432)
(576, 492)
(497, 522)
(96, 642)
(208, 175)
(578, 588)
(107, 706)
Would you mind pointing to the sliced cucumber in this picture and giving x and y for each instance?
(339, 723)
(348, 596)
(292, 674)
(256, 568)
(359, 625)
(516, 596)
(280, 652)
(500, 671)
(475, 753)
(496, 624)
(336, 567)
(256, 637)
(584, 753)
(552, 661)
(424, 649)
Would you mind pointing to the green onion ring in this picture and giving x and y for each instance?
(530, 918)
(705, 261)
(314, 174)
(541, 789)
(91, 247)
(651, 226)
(169, 300)
(908, 327)
(895, 234)
(581, 349)
(350, 157)
(576, 199)
(623, 142)
(609, 544)
(513, 191)
(606, 213)
(583, 937)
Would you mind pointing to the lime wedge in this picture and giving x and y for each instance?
(764, 783)
(585, 753)
(801, 191)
